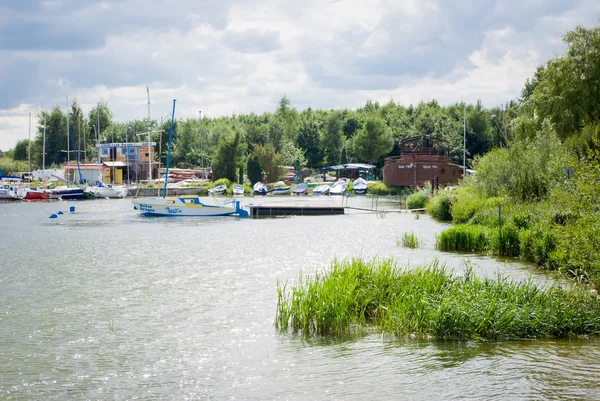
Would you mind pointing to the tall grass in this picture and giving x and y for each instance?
(464, 238)
(431, 302)
(409, 240)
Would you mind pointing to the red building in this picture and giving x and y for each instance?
(422, 159)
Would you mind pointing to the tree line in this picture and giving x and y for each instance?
(316, 138)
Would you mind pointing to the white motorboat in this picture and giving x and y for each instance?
(238, 190)
(218, 190)
(321, 190)
(359, 186)
(108, 190)
(260, 189)
(339, 187)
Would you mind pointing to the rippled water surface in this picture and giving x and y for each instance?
(106, 304)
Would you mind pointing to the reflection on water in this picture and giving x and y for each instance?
(104, 303)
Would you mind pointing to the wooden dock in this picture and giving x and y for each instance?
(279, 210)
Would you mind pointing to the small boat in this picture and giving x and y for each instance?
(9, 192)
(238, 190)
(103, 190)
(359, 186)
(186, 206)
(281, 188)
(300, 189)
(260, 189)
(38, 193)
(67, 192)
(321, 190)
(218, 190)
(339, 187)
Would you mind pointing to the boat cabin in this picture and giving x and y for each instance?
(423, 158)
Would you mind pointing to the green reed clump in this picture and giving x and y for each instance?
(464, 238)
(409, 240)
(504, 241)
(431, 302)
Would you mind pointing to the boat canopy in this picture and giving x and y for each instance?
(350, 166)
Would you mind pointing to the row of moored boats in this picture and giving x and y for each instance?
(340, 187)
(12, 191)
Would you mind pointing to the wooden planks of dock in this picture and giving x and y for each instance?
(280, 210)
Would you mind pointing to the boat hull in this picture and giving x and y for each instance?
(109, 192)
(183, 207)
(281, 191)
(37, 195)
(67, 193)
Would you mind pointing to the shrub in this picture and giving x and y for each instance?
(440, 206)
(378, 188)
(418, 200)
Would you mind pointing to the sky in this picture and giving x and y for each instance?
(242, 56)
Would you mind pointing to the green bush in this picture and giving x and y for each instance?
(378, 188)
(417, 200)
(440, 206)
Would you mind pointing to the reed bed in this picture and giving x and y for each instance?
(464, 238)
(409, 240)
(431, 302)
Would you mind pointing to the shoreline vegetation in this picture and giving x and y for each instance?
(538, 197)
(429, 301)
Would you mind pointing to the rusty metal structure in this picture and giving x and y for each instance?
(422, 159)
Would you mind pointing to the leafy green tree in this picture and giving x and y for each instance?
(56, 135)
(253, 169)
(332, 139)
(225, 160)
(568, 88)
(344, 156)
(270, 161)
(309, 139)
(20, 151)
(291, 153)
(106, 119)
(373, 141)
(186, 151)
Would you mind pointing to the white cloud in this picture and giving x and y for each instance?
(242, 56)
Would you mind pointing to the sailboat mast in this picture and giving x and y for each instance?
(68, 146)
(29, 144)
(169, 151)
(149, 153)
(465, 141)
(44, 150)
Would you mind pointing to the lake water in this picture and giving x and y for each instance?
(107, 304)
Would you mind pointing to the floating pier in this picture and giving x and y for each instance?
(278, 210)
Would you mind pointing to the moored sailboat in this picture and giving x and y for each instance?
(184, 205)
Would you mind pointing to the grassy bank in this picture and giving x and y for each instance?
(553, 233)
(431, 302)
